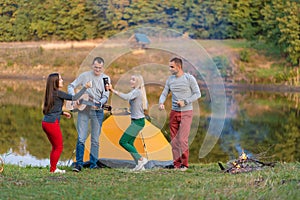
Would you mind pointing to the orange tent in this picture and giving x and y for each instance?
(150, 143)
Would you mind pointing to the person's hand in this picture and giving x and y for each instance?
(161, 106)
(180, 103)
(77, 103)
(88, 84)
(109, 87)
(67, 114)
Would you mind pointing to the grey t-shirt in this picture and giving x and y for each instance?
(183, 88)
(135, 99)
(97, 91)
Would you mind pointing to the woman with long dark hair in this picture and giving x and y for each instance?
(52, 109)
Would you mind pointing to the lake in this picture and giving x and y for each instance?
(264, 124)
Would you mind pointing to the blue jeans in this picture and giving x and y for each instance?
(96, 118)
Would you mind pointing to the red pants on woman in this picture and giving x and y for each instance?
(180, 126)
(54, 135)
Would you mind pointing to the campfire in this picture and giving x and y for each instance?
(244, 164)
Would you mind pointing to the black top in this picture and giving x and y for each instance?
(59, 97)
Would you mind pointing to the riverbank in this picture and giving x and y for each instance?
(201, 181)
(34, 60)
(238, 62)
(227, 86)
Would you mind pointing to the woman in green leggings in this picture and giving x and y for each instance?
(138, 103)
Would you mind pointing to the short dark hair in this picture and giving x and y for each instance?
(177, 61)
(98, 60)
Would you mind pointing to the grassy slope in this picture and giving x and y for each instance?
(199, 182)
(37, 59)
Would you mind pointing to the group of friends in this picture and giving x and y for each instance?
(183, 87)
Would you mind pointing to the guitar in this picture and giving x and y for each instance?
(82, 102)
(77, 105)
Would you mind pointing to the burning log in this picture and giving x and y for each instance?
(244, 164)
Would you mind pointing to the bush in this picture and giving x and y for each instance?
(222, 64)
(245, 56)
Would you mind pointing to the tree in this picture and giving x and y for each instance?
(70, 19)
(97, 19)
(44, 15)
(8, 8)
(281, 27)
(142, 13)
(244, 17)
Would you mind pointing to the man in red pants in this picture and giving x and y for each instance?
(185, 91)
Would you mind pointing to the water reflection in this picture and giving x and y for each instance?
(23, 160)
(264, 124)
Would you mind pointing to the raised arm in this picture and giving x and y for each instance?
(75, 84)
(129, 96)
(77, 95)
(105, 95)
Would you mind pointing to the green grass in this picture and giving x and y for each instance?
(229, 43)
(237, 43)
(199, 182)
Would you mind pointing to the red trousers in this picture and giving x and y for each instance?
(54, 135)
(180, 126)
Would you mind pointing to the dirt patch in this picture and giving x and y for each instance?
(51, 45)
(35, 60)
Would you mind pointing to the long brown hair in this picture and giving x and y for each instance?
(51, 86)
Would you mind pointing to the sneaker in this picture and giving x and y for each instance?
(141, 164)
(183, 168)
(95, 167)
(76, 168)
(135, 169)
(59, 171)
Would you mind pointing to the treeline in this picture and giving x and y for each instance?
(276, 22)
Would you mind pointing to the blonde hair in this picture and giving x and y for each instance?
(140, 84)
